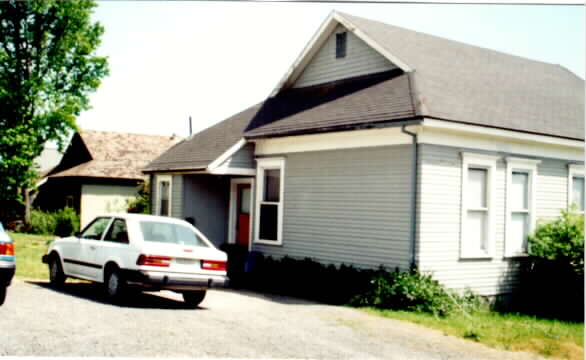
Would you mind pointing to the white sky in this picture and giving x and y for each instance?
(210, 60)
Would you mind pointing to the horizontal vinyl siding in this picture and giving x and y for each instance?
(347, 206)
(552, 194)
(439, 214)
(243, 158)
(360, 59)
(206, 200)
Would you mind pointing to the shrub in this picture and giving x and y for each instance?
(42, 223)
(561, 240)
(410, 291)
(67, 222)
(64, 222)
(141, 204)
(554, 272)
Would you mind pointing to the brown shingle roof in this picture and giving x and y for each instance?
(116, 155)
(199, 150)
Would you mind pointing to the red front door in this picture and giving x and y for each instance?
(243, 215)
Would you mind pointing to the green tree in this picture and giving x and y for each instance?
(48, 68)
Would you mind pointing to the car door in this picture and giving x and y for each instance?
(91, 241)
(114, 246)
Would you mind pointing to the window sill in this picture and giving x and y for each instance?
(516, 255)
(268, 242)
(482, 256)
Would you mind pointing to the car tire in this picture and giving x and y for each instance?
(2, 294)
(56, 275)
(194, 298)
(115, 285)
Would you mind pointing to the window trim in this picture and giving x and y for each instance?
(528, 166)
(574, 170)
(161, 178)
(262, 165)
(479, 161)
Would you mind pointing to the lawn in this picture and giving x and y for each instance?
(29, 250)
(550, 338)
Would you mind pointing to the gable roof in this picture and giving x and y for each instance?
(453, 81)
(201, 149)
(435, 78)
(103, 154)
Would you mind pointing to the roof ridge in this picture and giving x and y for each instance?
(458, 42)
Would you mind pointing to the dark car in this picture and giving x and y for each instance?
(7, 262)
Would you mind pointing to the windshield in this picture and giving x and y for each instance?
(170, 234)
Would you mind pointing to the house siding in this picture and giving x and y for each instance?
(439, 205)
(243, 158)
(360, 59)
(347, 206)
(206, 200)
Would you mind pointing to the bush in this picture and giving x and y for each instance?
(42, 223)
(67, 222)
(141, 204)
(307, 279)
(561, 240)
(64, 222)
(410, 291)
(554, 272)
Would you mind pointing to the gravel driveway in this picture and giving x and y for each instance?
(39, 321)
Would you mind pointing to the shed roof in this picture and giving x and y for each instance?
(111, 154)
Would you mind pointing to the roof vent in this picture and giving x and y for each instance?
(341, 45)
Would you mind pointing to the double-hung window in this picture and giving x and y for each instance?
(477, 222)
(576, 187)
(269, 204)
(520, 204)
(163, 195)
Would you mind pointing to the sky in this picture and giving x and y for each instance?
(211, 60)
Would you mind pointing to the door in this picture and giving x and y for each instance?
(243, 214)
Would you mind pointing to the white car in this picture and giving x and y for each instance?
(7, 262)
(143, 251)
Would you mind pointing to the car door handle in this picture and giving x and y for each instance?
(92, 248)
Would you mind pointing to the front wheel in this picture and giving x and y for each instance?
(115, 285)
(2, 294)
(194, 298)
(56, 275)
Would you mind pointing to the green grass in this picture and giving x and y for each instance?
(29, 250)
(514, 332)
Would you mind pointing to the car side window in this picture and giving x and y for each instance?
(117, 232)
(96, 229)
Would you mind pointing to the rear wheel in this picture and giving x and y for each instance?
(194, 298)
(2, 294)
(56, 275)
(115, 284)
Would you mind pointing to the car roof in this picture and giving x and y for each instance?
(144, 217)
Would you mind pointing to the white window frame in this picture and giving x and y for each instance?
(528, 166)
(159, 179)
(487, 162)
(573, 170)
(262, 165)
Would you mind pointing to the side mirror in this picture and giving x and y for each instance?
(77, 235)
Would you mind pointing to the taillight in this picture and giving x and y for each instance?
(7, 249)
(213, 265)
(150, 260)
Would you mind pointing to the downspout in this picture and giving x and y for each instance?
(414, 175)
